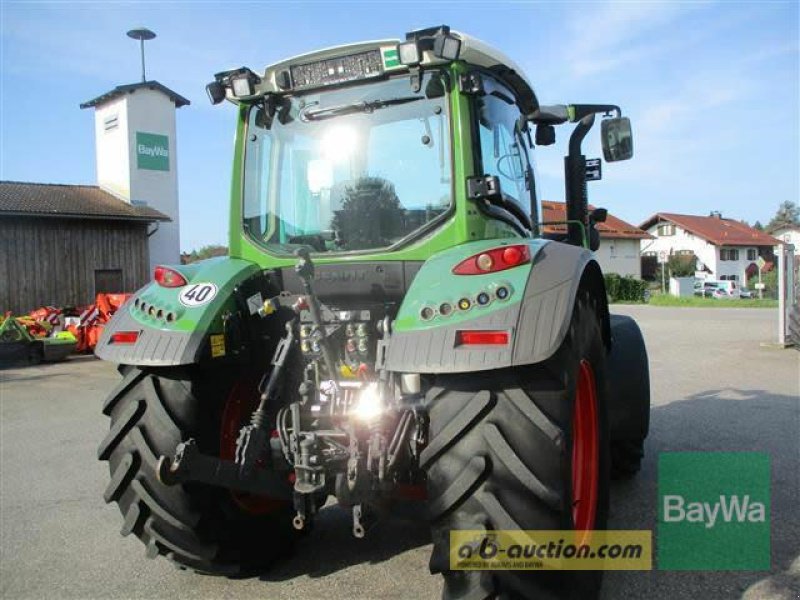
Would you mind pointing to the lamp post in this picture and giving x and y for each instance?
(141, 34)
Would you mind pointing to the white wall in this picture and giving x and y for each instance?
(150, 111)
(619, 255)
(112, 152)
(708, 253)
(145, 111)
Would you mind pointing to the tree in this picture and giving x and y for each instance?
(203, 253)
(682, 265)
(788, 214)
(371, 215)
(758, 226)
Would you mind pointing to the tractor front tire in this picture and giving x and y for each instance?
(500, 456)
(196, 526)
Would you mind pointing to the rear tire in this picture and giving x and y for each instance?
(194, 525)
(500, 457)
(626, 458)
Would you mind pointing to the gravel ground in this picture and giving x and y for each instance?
(714, 388)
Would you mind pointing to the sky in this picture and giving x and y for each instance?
(712, 88)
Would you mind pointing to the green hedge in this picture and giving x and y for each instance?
(624, 289)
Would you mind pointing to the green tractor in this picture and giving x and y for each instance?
(391, 326)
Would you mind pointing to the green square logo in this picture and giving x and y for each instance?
(152, 151)
(713, 511)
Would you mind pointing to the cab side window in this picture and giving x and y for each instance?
(502, 148)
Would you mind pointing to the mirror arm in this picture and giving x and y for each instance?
(579, 111)
(575, 182)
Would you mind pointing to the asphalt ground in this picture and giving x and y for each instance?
(714, 388)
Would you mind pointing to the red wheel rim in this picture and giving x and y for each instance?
(241, 402)
(585, 450)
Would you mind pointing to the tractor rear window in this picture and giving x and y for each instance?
(353, 169)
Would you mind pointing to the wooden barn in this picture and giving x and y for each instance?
(63, 244)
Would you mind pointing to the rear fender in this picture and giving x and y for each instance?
(175, 325)
(536, 314)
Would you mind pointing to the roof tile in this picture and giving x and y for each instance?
(717, 230)
(613, 228)
(69, 201)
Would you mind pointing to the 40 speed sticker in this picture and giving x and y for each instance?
(198, 294)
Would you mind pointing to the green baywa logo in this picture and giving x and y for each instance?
(728, 508)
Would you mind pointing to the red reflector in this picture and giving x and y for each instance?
(124, 337)
(167, 277)
(496, 259)
(482, 338)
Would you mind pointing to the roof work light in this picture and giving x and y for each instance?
(438, 40)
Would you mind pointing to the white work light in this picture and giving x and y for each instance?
(242, 86)
(408, 52)
(369, 403)
(446, 46)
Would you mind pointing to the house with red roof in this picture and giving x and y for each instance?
(619, 241)
(725, 249)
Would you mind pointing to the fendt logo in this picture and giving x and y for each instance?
(152, 151)
(728, 508)
(713, 511)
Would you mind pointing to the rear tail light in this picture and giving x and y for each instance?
(167, 277)
(494, 260)
(482, 338)
(124, 337)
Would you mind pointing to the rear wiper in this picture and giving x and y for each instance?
(357, 107)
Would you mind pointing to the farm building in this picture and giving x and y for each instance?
(63, 244)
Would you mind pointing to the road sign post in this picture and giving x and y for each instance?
(662, 260)
(760, 262)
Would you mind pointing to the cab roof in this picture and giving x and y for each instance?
(278, 77)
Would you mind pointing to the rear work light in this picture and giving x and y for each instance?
(494, 260)
(167, 277)
(482, 338)
(124, 337)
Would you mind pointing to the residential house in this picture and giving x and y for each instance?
(725, 249)
(788, 234)
(619, 241)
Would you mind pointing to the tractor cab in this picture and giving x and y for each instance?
(364, 150)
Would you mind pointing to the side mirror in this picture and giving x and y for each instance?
(617, 138)
(599, 215)
(545, 134)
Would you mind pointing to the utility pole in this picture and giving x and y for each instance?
(142, 34)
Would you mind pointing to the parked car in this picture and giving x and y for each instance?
(746, 294)
(730, 288)
(716, 289)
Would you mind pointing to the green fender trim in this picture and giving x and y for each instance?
(173, 323)
(435, 285)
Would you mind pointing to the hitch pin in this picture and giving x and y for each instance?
(358, 527)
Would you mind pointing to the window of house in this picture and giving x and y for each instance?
(684, 253)
(751, 254)
(666, 229)
(729, 254)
